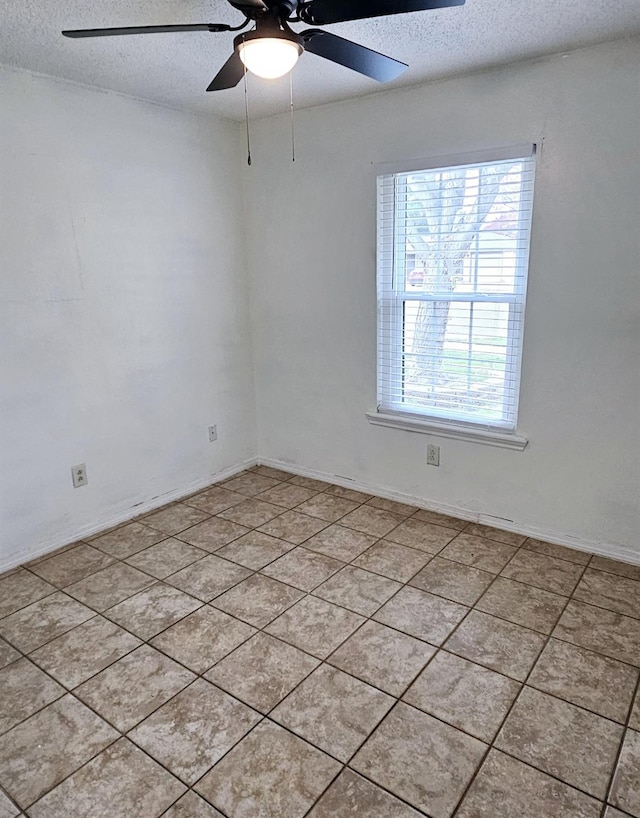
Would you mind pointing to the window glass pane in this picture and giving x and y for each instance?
(464, 369)
(461, 228)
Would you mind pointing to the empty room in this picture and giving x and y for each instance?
(320, 409)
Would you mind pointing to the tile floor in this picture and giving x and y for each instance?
(278, 647)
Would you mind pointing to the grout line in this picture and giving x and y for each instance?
(626, 729)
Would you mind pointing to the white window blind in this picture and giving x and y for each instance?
(453, 250)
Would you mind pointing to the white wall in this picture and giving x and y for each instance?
(123, 309)
(313, 294)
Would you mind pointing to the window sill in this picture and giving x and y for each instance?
(487, 437)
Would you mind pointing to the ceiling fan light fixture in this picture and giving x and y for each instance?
(269, 57)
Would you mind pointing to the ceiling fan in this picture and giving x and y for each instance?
(272, 48)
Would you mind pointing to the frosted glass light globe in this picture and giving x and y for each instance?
(269, 57)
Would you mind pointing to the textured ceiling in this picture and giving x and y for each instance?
(175, 69)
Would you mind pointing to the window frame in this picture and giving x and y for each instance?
(391, 305)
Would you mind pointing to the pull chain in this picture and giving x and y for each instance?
(246, 114)
(293, 134)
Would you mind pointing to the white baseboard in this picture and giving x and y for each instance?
(603, 549)
(123, 516)
(611, 550)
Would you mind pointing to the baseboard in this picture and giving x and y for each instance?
(123, 516)
(603, 549)
(610, 550)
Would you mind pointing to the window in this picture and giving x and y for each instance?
(453, 250)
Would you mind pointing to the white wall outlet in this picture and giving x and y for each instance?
(213, 433)
(79, 475)
(433, 455)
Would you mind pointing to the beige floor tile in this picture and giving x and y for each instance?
(421, 614)
(351, 795)
(19, 589)
(109, 586)
(42, 621)
(585, 678)
(316, 626)
(506, 788)
(121, 782)
(165, 558)
(84, 651)
(496, 644)
(347, 494)
(634, 719)
(269, 471)
(262, 671)
(604, 631)
(333, 711)
(7, 808)
(192, 806)
(523, 604)
(124, 541)
(421, 760)
(497, 534)
(309, 483)
(24, 689)
(373, 521)
(559, 551)
(424, 536)
(271, 774)
(258, 600)
(153, 610)
(327, 507)
(487, 555)
(175, 518)
(622, 569)
(392, 560)
(72, 565)
(251, 512)
(625, 788)
(357, 589)
(194, 730)
(440, 519)
(134, 686)
(453, 580)
(382, 656)
(612, 812)
(563, 740)
(463, 694)
(302, 568)
(286, 495)
(203, 638)
(31, 761)
(293, 527)
(254, 550)
(392, 505)
(7, 653)
(549, 573)
(212, 534)
(215, 500)
(341, 543)
(609, 591)
(208, 577)
(250, 483)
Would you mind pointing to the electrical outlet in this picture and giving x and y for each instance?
(433, 455)
(79, 475)
(213, 433)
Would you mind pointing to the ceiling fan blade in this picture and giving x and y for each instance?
(116, 32)
(321, 12)
(229, 75)
(354, 56)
